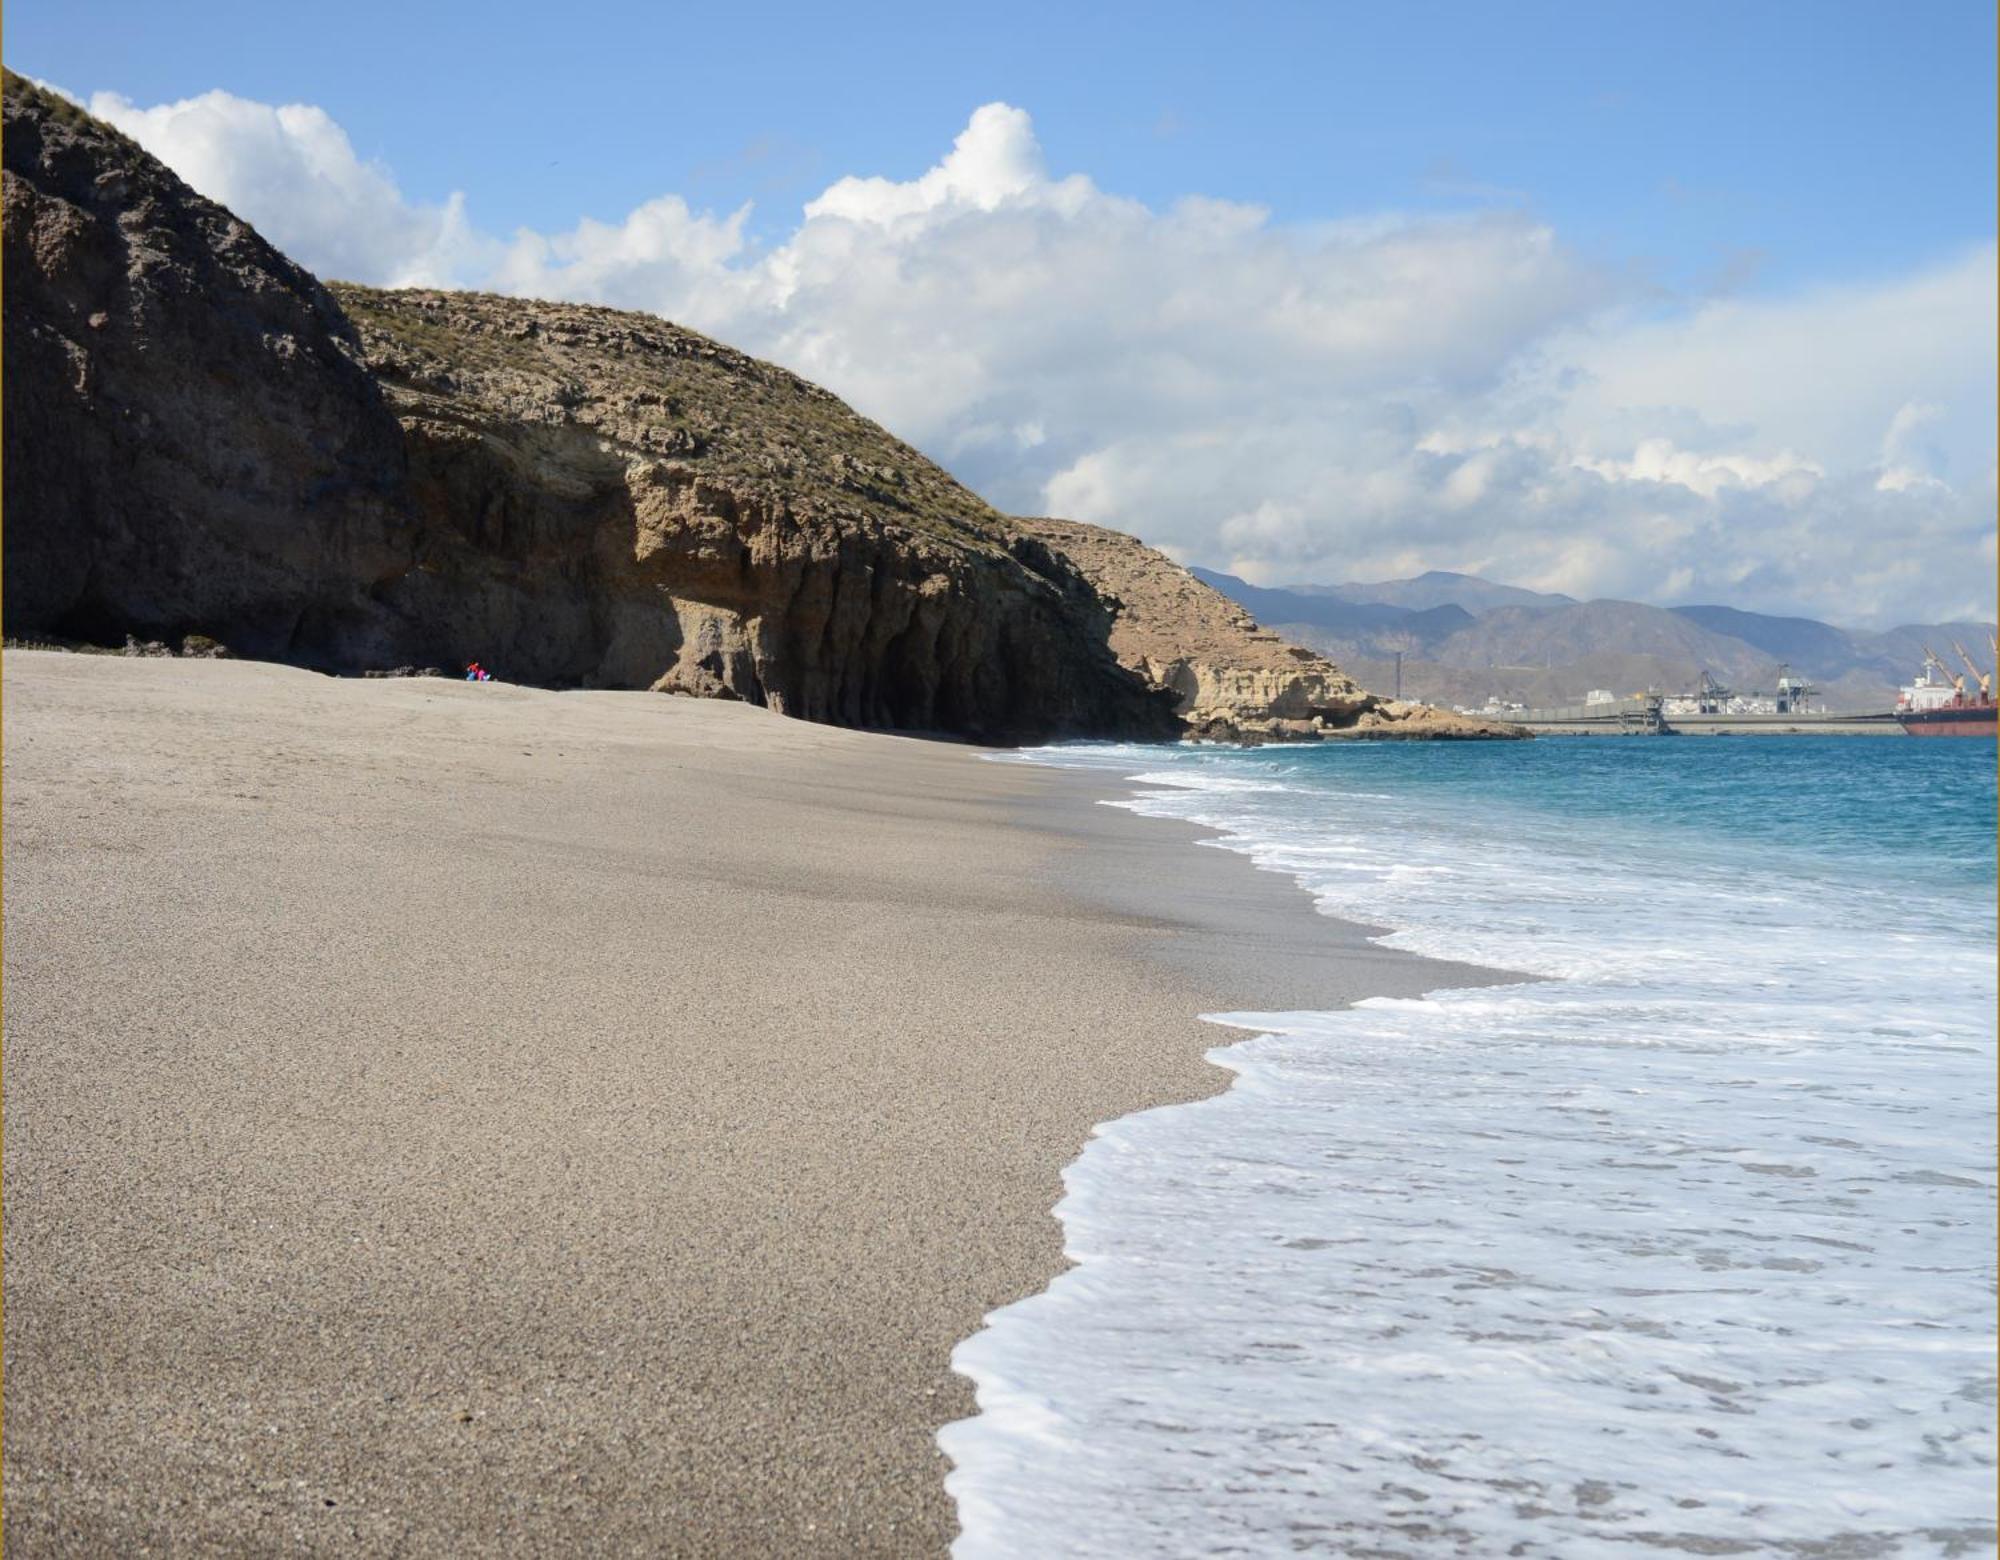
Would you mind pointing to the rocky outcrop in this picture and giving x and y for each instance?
(200, 440)
(612, 501)
(191, 441)
(1231, 681)
(204, 444)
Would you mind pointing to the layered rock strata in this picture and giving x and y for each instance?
(1231, 680)
(202, 441)
(614, 501)
(199, 439)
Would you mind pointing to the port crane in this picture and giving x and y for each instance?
(1793, 692)
(1985, 679)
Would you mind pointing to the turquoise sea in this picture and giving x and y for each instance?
(1683, 1243)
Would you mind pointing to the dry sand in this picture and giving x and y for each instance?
(446, 1120)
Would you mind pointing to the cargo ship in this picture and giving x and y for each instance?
(1940, 703)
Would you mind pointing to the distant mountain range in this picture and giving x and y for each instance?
(1465, 639)
(1439, 588)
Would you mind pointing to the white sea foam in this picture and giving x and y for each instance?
(1688, 1246)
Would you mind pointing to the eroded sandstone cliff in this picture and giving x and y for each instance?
(191, 441)
(1231, 680)
(202, 440)
(199, 441)
(611, 500)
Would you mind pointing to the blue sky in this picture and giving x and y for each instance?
(1678, 302)
(1778, 141)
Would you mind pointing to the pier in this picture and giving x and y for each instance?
(1638, 717)
(1643, 717)
(1831, 723)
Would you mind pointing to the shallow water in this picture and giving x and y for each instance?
(1687, 1245)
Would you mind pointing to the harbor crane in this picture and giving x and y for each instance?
(1985, 679)
(1793, 692)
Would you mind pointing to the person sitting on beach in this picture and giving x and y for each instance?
(474, 672)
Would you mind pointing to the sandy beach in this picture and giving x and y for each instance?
(448, 1119)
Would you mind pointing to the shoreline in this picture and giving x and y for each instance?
(1589, 1198)
(447, 1117)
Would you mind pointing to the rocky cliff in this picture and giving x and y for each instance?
(610, 500)
(1231, 680)
(199, 440)
(202, 440)
(191, 440)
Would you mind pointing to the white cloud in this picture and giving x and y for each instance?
(1791, 476)
(1824, 370)
(292, 173)
(663, 249)
(1361, 397)
(1902, 466)
(995, 159)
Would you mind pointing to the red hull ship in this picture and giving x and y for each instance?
(1971, 719)
(1947, 706)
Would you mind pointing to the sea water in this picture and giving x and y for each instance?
(1686, 1245)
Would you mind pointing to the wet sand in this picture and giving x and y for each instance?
(447, 1119)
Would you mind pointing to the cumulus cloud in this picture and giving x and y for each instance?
(291, 172)
(995, 159)
(1354, 398)
(1657, 460)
